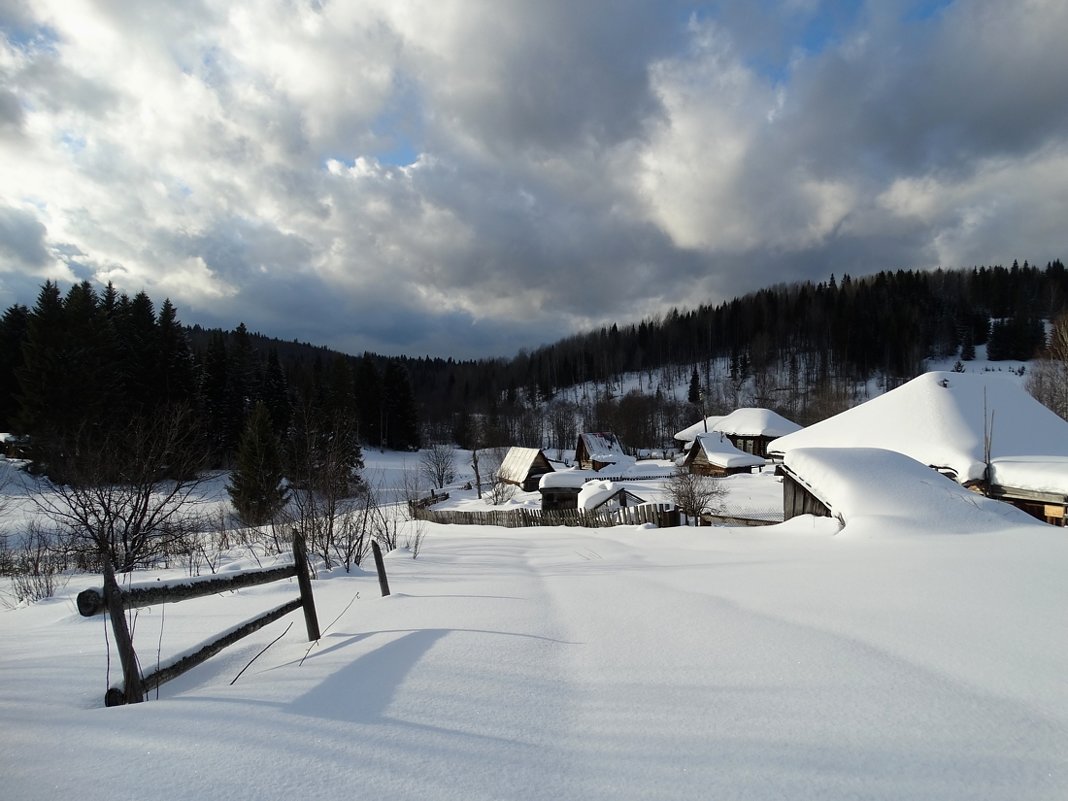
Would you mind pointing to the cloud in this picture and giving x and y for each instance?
(22, 238)
(455, 179)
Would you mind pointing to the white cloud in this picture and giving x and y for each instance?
(560, 163)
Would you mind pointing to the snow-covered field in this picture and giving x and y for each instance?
(788, 662)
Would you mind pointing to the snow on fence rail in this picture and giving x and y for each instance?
(658, 514)
(115, 601)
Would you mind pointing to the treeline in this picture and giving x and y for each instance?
(799, 348)
(806, 350)
(82, 369)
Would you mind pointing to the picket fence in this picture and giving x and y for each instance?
(659, 514)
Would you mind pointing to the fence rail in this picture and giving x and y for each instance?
(661, 515)
(115, 601)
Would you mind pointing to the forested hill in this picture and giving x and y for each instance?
(803, 340)
(801, 348)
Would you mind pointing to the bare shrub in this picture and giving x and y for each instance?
(37, 568)
(695, 494)
(416, 534)
(324, 464)
(501, 491)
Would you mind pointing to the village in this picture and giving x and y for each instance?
(981, 436)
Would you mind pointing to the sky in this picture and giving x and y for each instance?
(467, 178)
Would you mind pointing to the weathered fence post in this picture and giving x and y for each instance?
(383, 581)
(132, 692)
(300, 558)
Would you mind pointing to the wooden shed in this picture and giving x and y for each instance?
(560, 490)
(597, 450)
(798, 498)
(524, 467)
(715, 455)
(606, 495)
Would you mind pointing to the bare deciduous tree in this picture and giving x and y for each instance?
(1048, 379)
(128, 494)
(438, 463)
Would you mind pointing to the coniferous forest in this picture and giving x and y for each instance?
(80, 368)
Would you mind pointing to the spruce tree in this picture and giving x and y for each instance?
(13, 326)
(367, 388)
(402, 417)
(255, 486)
(695, 388)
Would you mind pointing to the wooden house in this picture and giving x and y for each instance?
(751, 429)
(524, 468)
(715, 455)
(595, 451)
(944, 421)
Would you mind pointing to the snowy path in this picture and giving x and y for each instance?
(573, 664)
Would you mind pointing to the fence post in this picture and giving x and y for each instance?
(131, 693)
(300, 558)
(383, 581)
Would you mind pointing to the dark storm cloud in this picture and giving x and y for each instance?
(22, 238)
(462, 179)
(978, 80)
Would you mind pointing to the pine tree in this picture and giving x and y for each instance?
(695, 388)
(13, 327)
(255, 486)
(276, 394)
(174, 376)
(401, 415)
(367, 388)
(43, 397)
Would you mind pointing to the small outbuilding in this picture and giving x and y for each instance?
(560, 490)
(715, 455)
(607, 495)
(524, 468)
(597, 450)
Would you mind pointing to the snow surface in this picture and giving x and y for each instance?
(939, 419)
(886, 661)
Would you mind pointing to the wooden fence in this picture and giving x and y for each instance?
(659, 514)
(116, 601)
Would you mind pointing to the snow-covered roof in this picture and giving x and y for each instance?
(573, 479)
(700, 427)
(602, 446)
(720, 452)
(595, 493)
(518, 462)
(755, 422)
(858, 483)
(1035, 473)
(938, 419)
